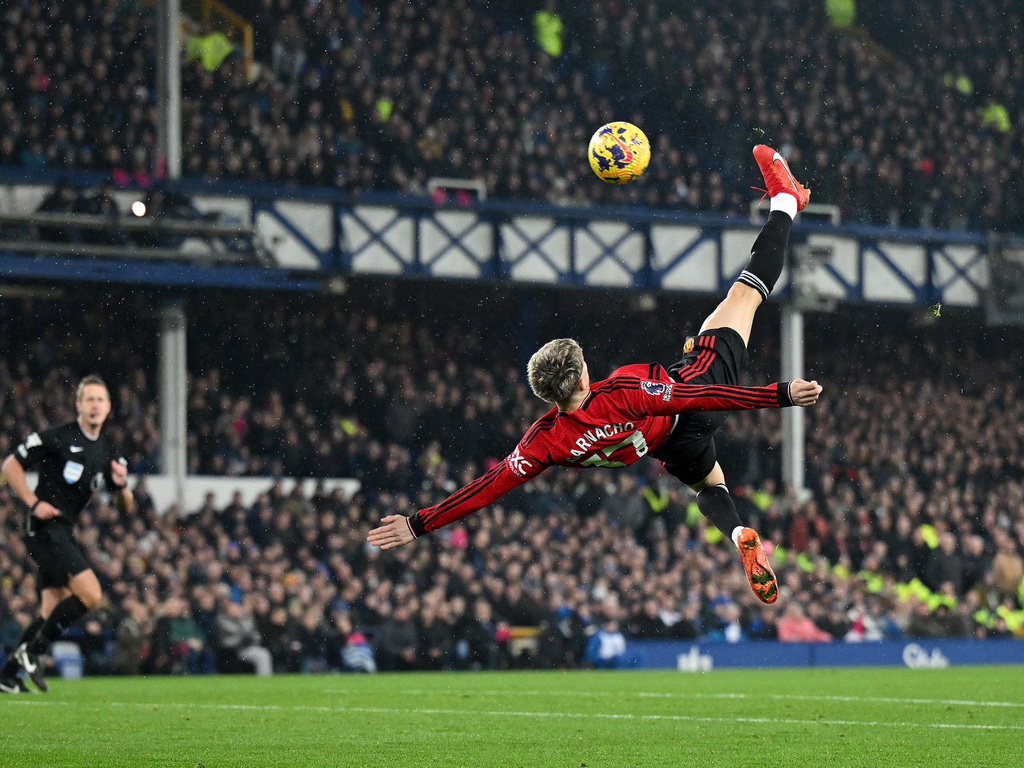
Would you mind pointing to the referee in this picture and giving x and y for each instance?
(73, 460)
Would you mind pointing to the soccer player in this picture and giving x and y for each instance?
(74, 460)
(671, 414)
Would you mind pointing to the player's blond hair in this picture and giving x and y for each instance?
(87, 381)
(555, 370)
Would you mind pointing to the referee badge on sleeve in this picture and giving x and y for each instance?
(73, 472)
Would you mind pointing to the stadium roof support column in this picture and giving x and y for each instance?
(792, 418)
(169, 88)
(173, 417)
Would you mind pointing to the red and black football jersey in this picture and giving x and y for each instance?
(624, 417)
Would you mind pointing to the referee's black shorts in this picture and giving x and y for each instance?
(55, 551)
(713, 357)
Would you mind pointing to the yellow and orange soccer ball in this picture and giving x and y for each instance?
(619, 152)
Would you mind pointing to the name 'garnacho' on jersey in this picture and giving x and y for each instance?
(623, 418)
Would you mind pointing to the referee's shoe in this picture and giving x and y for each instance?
(13, 685)
(32, 666)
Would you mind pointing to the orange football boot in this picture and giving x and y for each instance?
(755, 563)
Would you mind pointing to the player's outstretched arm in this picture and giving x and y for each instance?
(666, 398)
(397, 530)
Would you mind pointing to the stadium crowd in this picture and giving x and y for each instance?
(911, 122)
(912, 525)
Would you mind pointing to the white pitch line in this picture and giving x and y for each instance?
(875, 700)
(548, 715)
(687, 695)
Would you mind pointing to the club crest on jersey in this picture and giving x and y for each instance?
(656, 388)
(73, 472)
(518, 464)
(688, 347)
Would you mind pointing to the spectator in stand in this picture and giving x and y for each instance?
(561, 638)
(924, 623)
(93, 643)
(944, 565)
(478, 644)
(607, 646)
(626, 506)
(436, 642)
(178, 645)
(728, 626)
(357, 655)
(314, 640)
(796, 627)
(131, 639)
(648, 625)
(280, 635)
(397, 641)
(835, 622)
(1007, 567)
(237, 641)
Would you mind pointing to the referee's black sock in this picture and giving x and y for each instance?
(67, 612)
(10, 667)
(768, 254)
(716, 504)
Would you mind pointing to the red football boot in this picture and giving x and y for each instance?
(777, 176)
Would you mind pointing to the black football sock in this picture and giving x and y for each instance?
(768, 254)
(716, 504)
(10, 668)
(32, 630)
(67, 612)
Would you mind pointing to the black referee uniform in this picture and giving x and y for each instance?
(71, 468)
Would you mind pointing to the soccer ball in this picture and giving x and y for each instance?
(619, 152)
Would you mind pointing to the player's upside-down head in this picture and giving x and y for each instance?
(556, 369)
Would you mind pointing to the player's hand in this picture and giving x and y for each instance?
(119, 473)
(804, 393)
(394, 532)
(45, 511)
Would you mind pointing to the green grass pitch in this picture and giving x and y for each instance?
(969, 716)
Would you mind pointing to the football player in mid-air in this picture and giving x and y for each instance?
(669, 413)
(74, 460)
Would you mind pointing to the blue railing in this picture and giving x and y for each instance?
(315, 234)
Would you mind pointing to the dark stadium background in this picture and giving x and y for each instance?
(905, 125)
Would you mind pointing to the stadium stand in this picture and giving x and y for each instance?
(911, 528)
(384, 96)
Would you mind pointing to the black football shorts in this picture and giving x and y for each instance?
(713, 357)
(55, 551)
